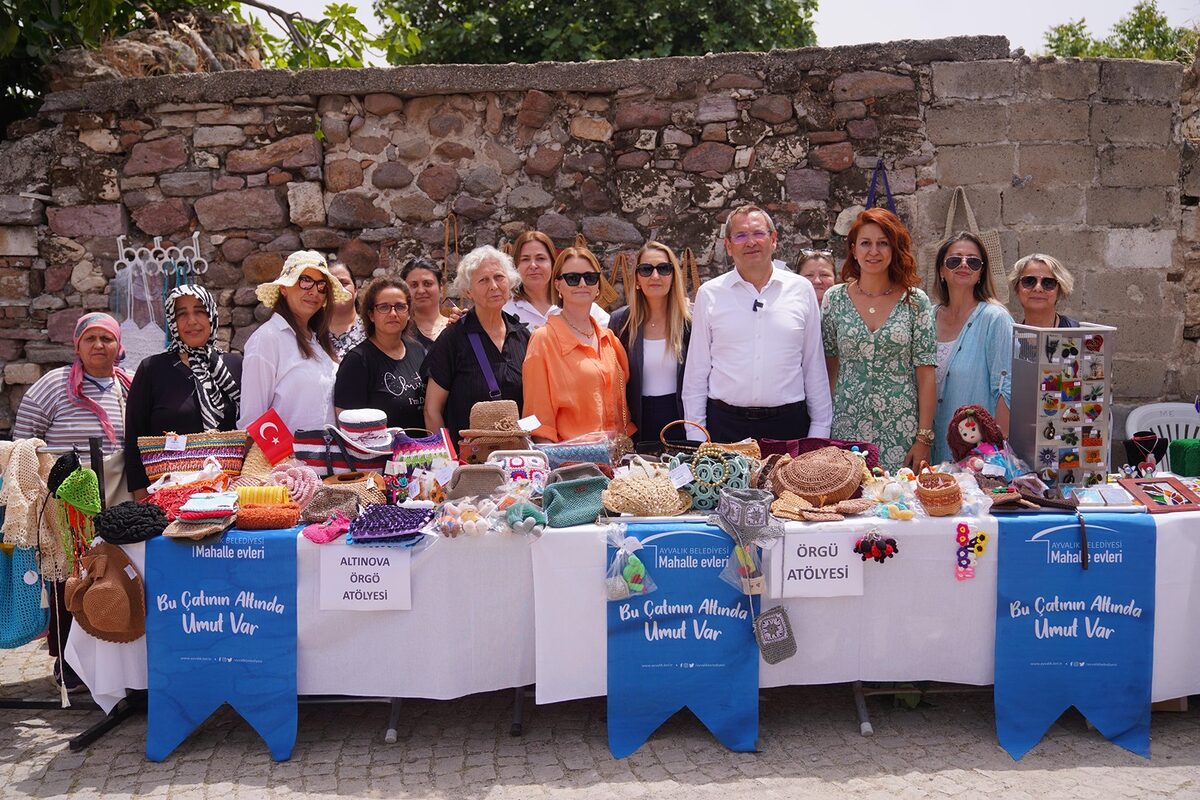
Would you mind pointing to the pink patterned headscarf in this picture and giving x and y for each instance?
(75, 375)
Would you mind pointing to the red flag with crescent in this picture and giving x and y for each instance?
(272, 436)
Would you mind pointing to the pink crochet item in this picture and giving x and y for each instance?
(326, 532)
(301, 481)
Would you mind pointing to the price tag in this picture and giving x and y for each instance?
(394, 468)
(444, 475)
(530, 423)
(994, 470)
(681, 476)
(440, 462)
(176, 444)
(131, 572)
(620, 471)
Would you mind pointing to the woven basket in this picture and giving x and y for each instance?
(822, 477)
(228, 447)
(938, 493)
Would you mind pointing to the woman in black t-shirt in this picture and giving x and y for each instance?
(383, 372)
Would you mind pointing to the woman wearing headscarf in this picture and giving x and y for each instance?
(66, 407)
(71, 404)
(191, 388)
(290, 363)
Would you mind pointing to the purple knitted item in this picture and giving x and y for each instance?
(389, 523)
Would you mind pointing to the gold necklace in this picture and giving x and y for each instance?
(865, 293)
(585, 334)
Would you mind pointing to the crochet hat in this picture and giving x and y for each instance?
(493, 419)
(108, 598)
(364, 431)
(645, 497)
(293, 268)
(473, 480)
(130, 522)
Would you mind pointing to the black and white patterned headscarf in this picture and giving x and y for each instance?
(215, 386)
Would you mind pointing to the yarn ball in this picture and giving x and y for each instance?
(130, 522)
(300, 479)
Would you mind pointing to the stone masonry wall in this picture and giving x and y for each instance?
(1089, 160)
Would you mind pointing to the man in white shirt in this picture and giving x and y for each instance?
(756, 364)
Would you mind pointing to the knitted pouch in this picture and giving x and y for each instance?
(574, 502)
(256, 517)
(385, 523)
(328, 501)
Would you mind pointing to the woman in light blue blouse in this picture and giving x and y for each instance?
(974, 338)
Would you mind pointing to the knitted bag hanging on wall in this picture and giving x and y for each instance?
(79, 503)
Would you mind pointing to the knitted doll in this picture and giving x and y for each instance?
(973, 431)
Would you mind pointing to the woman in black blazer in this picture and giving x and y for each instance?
(655, 328)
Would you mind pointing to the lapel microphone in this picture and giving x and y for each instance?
(758, 304)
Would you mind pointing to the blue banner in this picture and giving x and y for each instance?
(688, 644)
(1068, 636)
(221, 628)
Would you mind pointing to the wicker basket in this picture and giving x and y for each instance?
(748, 449)
(822, 477)
(938, 493)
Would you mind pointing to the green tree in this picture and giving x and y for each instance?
(527, 31)
(1145, 32)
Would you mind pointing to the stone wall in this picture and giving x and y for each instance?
(1082, 159)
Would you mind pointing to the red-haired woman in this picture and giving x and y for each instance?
(881, 344)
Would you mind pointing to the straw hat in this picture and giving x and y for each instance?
(108, 599)
(493, 419)
(293, 268)
(642, 496)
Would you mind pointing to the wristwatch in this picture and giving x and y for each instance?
(925, 435)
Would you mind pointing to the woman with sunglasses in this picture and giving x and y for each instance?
(533, 298)
(576, 370)
(655, 329)
(974, 338)
(879, 344)
(384, 371)
(1039, 282)
(820, 270)
(290, 364)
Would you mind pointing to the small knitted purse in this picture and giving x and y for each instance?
(574, 502)
(328, 501)
(262, 516)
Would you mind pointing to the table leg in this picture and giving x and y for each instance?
(393, 721)
(860, 706)
(518, 720)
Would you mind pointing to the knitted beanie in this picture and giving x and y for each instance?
(130, 522)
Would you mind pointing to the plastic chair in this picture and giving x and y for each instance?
(1168, 420)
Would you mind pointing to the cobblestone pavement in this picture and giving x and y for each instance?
(810, 748)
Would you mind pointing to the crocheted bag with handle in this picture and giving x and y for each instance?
(22, 618)
(574, 502)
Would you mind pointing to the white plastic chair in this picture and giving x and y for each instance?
(1168, 420)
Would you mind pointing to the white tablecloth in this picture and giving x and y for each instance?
(470, 630)
(914, 621)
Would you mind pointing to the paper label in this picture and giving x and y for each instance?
(444, 474)
(176, 444)
(821, 564)
(681, 476)
(131, 572)
(395, 468)
(30, 578)
(356, 578)
(620, 471)
(530, 423)
(994, 470)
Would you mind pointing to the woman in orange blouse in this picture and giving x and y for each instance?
(575, 370)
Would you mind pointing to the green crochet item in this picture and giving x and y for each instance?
(79, 502)
(519, 512)
(82, 490)
(1185, 457)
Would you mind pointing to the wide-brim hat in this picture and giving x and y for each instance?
(364, 432)
(494, 419)
(644, 496)
(293, 268)
(108, 598)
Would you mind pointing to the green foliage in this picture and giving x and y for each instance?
(338, 39)
(527, 31)
(1143, 33)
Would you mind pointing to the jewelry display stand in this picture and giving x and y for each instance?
(1061, 415)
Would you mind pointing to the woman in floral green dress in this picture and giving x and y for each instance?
(881, 345)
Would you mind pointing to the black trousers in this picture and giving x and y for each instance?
(729, 426)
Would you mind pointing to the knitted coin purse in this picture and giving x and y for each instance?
(261, 516)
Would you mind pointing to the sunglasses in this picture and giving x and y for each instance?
(814, 253)
(646, 270)
(306, 283)
(573, 278)
(974, 262)
(1031, 281)
(387, 308)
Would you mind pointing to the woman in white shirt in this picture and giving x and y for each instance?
(290, 363)
(534, 254)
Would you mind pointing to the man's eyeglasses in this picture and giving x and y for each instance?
(306, 283)
(1031, 281)
(573, 278)
(741, 237)
(387, 308)
(646, 270)
(974, 262)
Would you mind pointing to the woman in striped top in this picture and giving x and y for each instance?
(71, 404)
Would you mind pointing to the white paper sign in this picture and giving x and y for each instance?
(175, 443)
(529, 424)
(681, 476)
(821, 565)
(365, 578)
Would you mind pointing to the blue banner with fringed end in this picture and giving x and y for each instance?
(1069, 636)
(690, 643)
(221, 628)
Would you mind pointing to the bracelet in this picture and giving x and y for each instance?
(925, 436)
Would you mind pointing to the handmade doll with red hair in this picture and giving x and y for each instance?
(973, 431)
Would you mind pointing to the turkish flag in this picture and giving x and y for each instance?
(272, 436)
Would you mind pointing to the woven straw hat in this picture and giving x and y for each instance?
(108, 599)
(293, 268)
(645, 497)
(493, 419)
(822, 477)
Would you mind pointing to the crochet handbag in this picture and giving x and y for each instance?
(713, 469)
(822, 477)
(228, 447)
(367, 485)
(749, 449)
(574, 502)
(594, 448)
(390, 523)
(22, 618)
(328, 501)
(327, 455)
(421, 452)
